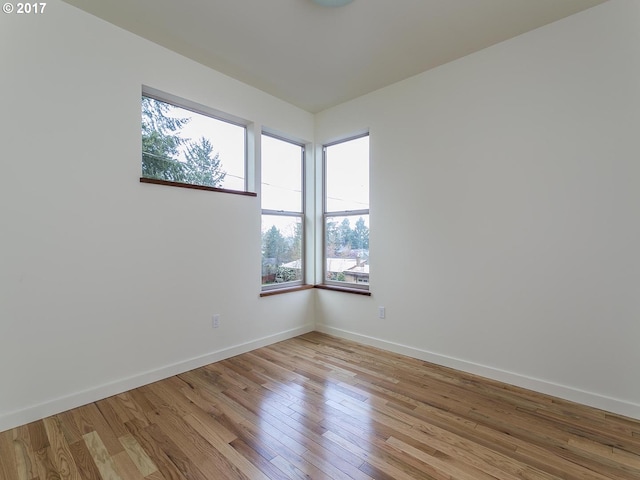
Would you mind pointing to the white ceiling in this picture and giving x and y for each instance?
(316, 57)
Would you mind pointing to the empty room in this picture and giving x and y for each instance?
(326, 239)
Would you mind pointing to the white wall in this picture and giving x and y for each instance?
(106, 283)
(505, 211)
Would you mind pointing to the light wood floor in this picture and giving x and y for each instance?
(319, 407)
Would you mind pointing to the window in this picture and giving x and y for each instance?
(346, 213)
(282, 213)
(186, 145)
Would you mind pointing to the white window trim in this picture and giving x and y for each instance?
(343, 213)
(209, 112)
(302, 215)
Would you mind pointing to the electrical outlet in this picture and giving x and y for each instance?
(216, 320)
(381, 312)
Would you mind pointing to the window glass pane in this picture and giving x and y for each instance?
(281, 175)
(281, 249)
(183, 146)
(347, 175)
(347, 249)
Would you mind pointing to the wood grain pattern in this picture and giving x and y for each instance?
(8, 463)
(61, 453)
(126, 467)
(319, 407)
(24, 456)
(138, 456)
(87, 468)
(101, 456)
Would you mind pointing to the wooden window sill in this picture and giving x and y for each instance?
(278, 291)
(168, 183)
(336, 288)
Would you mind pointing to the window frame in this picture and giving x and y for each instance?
(296, 284)
(218, 115)
(335, 284)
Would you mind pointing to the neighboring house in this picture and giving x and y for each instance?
(352, 270)
(357, 274)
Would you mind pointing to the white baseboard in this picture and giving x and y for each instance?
(57, 405)
(52, 407)
(613, 405)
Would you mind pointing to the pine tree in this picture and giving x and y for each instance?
(161, 142)
(203, 165)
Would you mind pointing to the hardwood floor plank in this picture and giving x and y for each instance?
(444, 467)
(228, 376)
(168, 395)
(69, 427)
(252, 435)
(443, 441)
(200, 453)
(132, 405)
(44, 464)
(334, 467)
(115, 421)
(259, 427)
(376, 462)
(89, 419)
(61, 454)
(544, 459)
(24, 456)
(128, 470)
(238, 424)
(249, 372)
(297, 468)
(38, 435)
(84, 461)
(206, 417)
(630, 459)
(155, 476)
(177, 459)
(8, 464)
(154, 450)
(101, 456)
(260, 462)
(321, 407)
(138, 456)
(238, 461)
